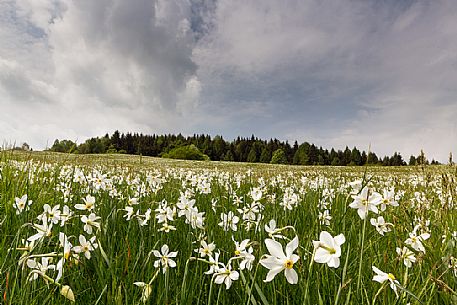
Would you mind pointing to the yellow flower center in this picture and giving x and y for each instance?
(237, 252)
(289, 264)
(391, 276)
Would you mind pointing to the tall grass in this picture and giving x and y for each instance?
(125, 256)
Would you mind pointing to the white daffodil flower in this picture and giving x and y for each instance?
(407, 256)
(272, 231)
(205, 249)
(164, 258)
(415, 241)
(90, 222)
(42, 267)
(328, 249)
(381, 277)
(366, 201)
(229, 221)
(381, 225)
(89, 204)
(147, 289)
(86, 246)
(226, 275)
(277, 261)
(43, 230)
(388, 199)
(21, 204)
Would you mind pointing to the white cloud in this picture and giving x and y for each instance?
(334, 73)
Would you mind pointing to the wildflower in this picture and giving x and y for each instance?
(407, 256)
(277, 261)
(366, 201)
(214, 264)
(167, 228)
(129, 214)
(381, 225)
(415, 241)
(89, 204)
(146, 217)
(147, 289)
(246, 254)
(256, 194)
(132, 201)
(388, 198)
(328, 249)
(52, 214)
(42, 267)
(65, 215)
(195, 218)
(206, 249)
(382, 277)
(67, 293)
(270, 228)
(164, 258)
(90, 222)
(324, 218)
(21, 204)
(86, 246)
(226, 275)
(184, 205)
(43, 230)
(67, 247)
(229, 221)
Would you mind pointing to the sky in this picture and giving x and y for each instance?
(376, 74)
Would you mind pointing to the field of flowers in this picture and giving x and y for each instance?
(131, 230)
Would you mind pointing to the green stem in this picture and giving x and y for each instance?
(359, 277)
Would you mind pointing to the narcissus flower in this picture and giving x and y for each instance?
(407, 256)
(277, 261)
(366, 201)
(164, 258)
(381, 277)
(90, 222)
(86, 246)
(89, 204)
(226, 275)
(381, 225)
(21, 204)
(328, 249)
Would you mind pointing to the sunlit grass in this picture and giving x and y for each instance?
(293, 196)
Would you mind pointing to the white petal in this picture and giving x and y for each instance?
(340, 239)
(326, 238)
(275, 248)
(291, 246)
(334, 262)
(219, 279)
(291, 276)
(272, 273)
(322, 256)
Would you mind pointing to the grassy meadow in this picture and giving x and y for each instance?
(116, 229)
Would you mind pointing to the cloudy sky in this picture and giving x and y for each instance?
(335, 73)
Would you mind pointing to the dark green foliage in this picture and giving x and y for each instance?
(189, 152)
(64, 146)
(251, 149)
(279, 157)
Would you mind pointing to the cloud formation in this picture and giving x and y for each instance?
(379, 73)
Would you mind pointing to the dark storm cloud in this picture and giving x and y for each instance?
(337, 73)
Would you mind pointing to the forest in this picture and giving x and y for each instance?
(251, 149)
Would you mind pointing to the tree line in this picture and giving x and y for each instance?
(241, 149)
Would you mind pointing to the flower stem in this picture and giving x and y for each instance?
(359, 277)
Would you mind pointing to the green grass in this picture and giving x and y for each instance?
(125, 252)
